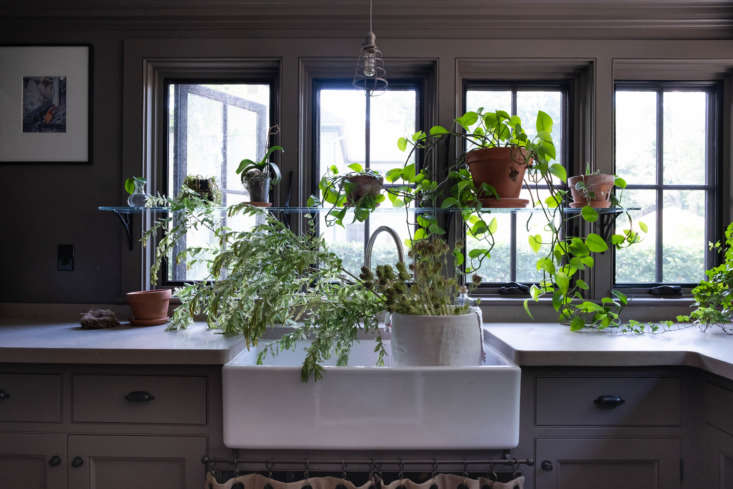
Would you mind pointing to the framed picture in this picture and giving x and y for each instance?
(45, 104)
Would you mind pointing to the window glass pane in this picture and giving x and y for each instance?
(684, 137)
(392, 116)
(384, 251)
(637, 264)
(531, 224)
(636, 136)
(684, 236)
(347, 241)
(342, 136)
(495, 269)
(211, 128)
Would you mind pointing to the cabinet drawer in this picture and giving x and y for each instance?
(30, 397)
(580, 401)
(139, 399)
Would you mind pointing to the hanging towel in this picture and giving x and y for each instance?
(441, 481)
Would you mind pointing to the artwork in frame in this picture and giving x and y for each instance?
(45, 104)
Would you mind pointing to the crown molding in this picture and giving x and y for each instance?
(458, 19)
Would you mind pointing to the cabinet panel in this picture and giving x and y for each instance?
(30, 398)
(573, 401)
(121, 399)
(32, 461)
(608, 463)
(719, 458)
(142, 462)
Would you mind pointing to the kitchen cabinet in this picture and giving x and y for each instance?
(33, 461)
(576, 463)
(142, 462)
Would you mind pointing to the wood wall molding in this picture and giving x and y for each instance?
(458, 19)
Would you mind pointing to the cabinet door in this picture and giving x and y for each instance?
(32, 460)
(608, 463)
(142, 462)
(719, 458)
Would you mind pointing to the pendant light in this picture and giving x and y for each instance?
(370, 73)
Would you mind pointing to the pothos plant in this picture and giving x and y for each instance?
(713, 298)
(358, 191)
(563, 255)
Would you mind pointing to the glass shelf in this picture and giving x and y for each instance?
(387, 210)
(126, 213)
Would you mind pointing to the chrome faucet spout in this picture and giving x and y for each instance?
(373, 238)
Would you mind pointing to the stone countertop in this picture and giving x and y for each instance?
(533, 344)
(42, 341)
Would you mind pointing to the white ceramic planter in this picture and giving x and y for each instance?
(436, 340)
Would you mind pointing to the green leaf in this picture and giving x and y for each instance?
(476, 252)
(588, 261)
(546, 264)
(402, 144)
(544, 122)
(576, 324)
(130, 185)
(621, 297)
(562, 281)
(493, 226)
(526, 308)
(589, 213)
(559, 171)
(438, 130)
(435, 229)
(578, 248)
(535, 242)
(356, 167)
(393, 174)
(595, 243)
(553, 201)
(418, 136)
(643, 227)
(420, 234)
(581, 284)
(617, 239)
(467, 120)
(458, 255)
(408, 173)
(619, 182)
(589, 307)
(449, 202)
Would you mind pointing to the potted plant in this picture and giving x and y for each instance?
(259, 176)
(135, 187)
(206, 188)
(429, 327)
(149, 307)
(359, 190)
(592, 188)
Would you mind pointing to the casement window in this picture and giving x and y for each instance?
(353, 127)
(666, 138)
(211, 128)
(512, 261)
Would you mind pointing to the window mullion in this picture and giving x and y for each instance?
(660, 191)
(513, 219)
(367, 157)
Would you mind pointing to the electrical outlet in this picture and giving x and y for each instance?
(65, 258)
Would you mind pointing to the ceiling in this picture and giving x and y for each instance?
(471, 19)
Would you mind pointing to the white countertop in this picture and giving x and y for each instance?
(545, 344)
(38, 341)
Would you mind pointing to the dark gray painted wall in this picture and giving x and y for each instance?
(52, 204)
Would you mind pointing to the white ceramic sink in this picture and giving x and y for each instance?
(361, 406)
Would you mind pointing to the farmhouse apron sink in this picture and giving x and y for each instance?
(362, 406)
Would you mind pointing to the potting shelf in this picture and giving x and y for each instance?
(126, 213)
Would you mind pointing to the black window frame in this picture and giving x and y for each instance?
(712, 186)
(512, 287)
(272, 81)
(418, 84)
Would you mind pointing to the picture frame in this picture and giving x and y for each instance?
(46, 104)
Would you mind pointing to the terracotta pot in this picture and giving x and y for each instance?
(362, 186)
(599, 186)
(149, 305)
(502, 168)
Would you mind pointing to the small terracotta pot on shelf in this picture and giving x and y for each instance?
(149, 307)
(503, 169)
(361, 186)
(599, 186)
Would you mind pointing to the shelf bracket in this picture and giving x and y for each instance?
(126, 220)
